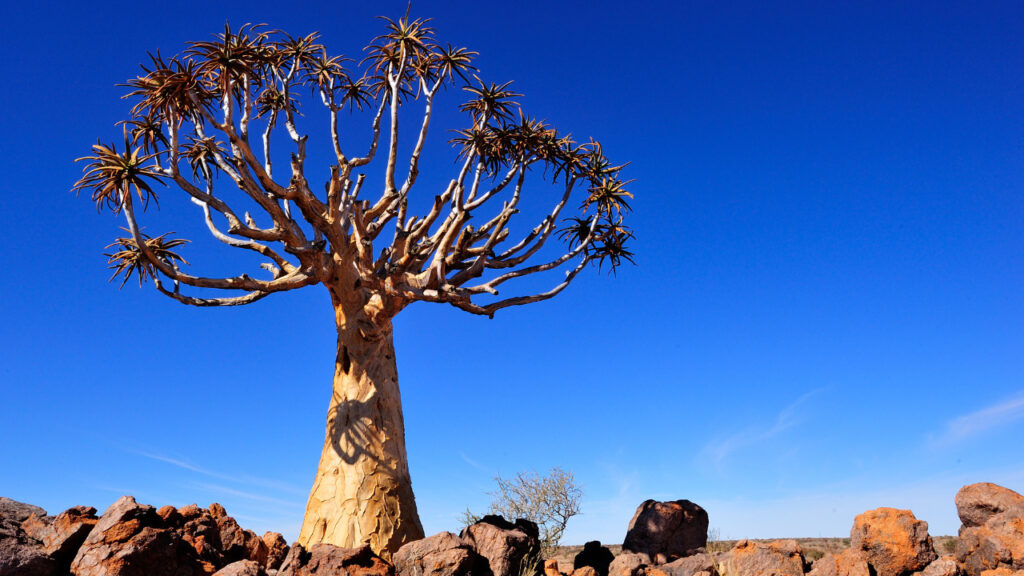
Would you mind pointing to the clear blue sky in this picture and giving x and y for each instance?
(826, 314)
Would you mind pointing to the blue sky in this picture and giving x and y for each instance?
(826, 315)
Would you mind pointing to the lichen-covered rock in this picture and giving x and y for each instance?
(700, 564)
(594, 555)
(130, 540)
(503, 548)
(18, 512)
(277, 549)
(1002, 571)
(992, 534)
(849, 562)
(237, 543)
(667, 530)
(750, 558)
(20, 556)
(242, 568)
(629, 564)
(944, 566)
(442, 554)
(62, 535)
(999, 543)
(892, 541)
(551, 567)
(977, 503)
(330, 560)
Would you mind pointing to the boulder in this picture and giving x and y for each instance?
(629, 564)
(849, 562)
(977, 503)
(237, 543)
(18, 511)
(130, 540)
(242, 568)
(585, 571)
(199, 529)
(20, 556)
(442, 554)
(330, 560)
(750, 558)
(277, 549)
(503, 548)
(701, 564)
(669, 529)
(1002, 571)
(944, 566)
(62, 535)
(594, 555)
(998, 541)
(551, 567)
(893, 542)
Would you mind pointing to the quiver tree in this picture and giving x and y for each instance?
(211, 121)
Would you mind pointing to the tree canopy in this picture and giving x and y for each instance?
(208, 122)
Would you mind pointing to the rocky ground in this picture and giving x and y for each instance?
(663, 539)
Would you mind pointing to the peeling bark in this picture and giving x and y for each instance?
(362, 493)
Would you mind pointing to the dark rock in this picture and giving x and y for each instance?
(20, 556)
(201, 532)
(442, 554)
(594, 555)
(329, 560)
(668, 529)
(750, 558)
(130, 540)
(893, 542)
(503, 548)
(18, 511)
(236, 543)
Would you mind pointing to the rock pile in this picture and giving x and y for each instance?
(132, 539)
(670, 539)
(663, 539)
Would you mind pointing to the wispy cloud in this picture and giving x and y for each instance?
(476, 464)
(233, 478)
(787, 418)
(217, 488)
(974, 423)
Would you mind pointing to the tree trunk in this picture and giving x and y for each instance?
(362, 493)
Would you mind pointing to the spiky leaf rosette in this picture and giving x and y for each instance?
(111, 175)
(129, 260)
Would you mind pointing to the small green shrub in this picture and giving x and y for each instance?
(812, 554)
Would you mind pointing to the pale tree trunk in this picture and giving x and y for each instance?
(362, 493)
